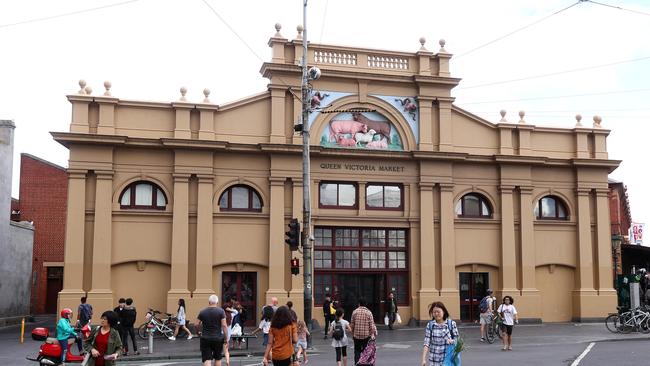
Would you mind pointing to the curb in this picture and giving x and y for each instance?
(185, 356)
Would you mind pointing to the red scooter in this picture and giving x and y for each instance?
(50, 351)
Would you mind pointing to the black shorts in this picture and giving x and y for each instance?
(211, 349)
(286, 362)
(506, 328)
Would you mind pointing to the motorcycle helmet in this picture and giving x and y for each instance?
(66, 313)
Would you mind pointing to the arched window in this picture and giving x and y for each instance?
(240, 198)
(473, 205)
(550, 208)
(143, 195)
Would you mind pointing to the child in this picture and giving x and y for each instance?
(340, 340)
(265, 327)
(301, 346)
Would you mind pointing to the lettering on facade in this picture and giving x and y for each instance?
(363, 167)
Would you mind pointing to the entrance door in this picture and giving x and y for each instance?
(241, 286)
(353, 286)
(473, 287)
(54, 286)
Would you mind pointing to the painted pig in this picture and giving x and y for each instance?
(345, 142)
(351, 127)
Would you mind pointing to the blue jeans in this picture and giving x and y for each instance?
(64, 346)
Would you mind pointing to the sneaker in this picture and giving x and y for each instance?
(482, 339)
(172, 338)
(189, 337)
(509, 348)
(136, 353)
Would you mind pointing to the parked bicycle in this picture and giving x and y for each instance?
(161, 327)
(637, 320)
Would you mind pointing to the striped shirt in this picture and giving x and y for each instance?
(362, 323)
(436, 336)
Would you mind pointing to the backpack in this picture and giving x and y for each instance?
(338, 332)
(483, 305)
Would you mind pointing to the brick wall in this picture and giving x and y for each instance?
(43, 200)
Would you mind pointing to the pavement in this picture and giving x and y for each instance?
(526, 335)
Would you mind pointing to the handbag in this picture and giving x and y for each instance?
(451, 357)
(236, 330)
(386, 320)
(368, 355)
(398, 318)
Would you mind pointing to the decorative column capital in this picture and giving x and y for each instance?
(205, 178)
(104, 174)
(181, 177)
(602, 192)
(506, 188)
(580, 191)
(277, 181)
(77, 173)
(426, 186)
(446, 187)
(526, 189)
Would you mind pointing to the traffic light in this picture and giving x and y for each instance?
(295, 266)
(293, 235)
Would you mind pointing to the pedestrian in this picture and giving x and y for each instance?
(65, 331)
(265, 325)
(121, 303)
(391, 309)
(282, 337)
(294, 316)
(231, 313)
(363, 328)
(181, 321)
(327, 314)
(84, 313)
(508, 313)
(104, 343)
(214, 332)
(486, 308)
(440, 333)
(301, 346)
(237, 324)
(338, 331)
(129, 314)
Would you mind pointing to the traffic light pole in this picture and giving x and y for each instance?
(306, 181)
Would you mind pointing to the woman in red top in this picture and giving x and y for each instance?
(104, 344)
(282, 338)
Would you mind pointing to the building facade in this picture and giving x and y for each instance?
(410, 194)
(43, 199)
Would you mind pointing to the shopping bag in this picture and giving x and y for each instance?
(368, 355)
(398, 318)
(236, 330)
(451, 357)
(386, 320)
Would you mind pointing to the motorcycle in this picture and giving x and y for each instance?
(50, 351)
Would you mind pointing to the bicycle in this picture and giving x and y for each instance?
(161, 327)
(628, 321)
(493, 329)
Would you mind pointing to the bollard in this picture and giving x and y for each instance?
(22, 331)
(150, 329)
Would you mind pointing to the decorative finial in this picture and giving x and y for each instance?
(183, 92)
(107, 86)
(578, 119)
(82, 85)
(278, 26)
(422, 42)
(206, 92)
(442, 43)
(521, 116)
(88, 90)
(299, 28)
(503, 115)
(597, 121)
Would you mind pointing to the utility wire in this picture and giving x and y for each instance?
(562, 96)
(232, 30)
(66, 14)
(554, 73)
(517, 30)
(617, 7)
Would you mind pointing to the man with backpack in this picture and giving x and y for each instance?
(486, 307)
(85, 312)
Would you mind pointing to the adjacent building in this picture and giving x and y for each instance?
(410, 194)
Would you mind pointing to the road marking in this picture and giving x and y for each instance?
(583, 354)
(396, 346)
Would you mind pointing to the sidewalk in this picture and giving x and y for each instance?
(527, 334)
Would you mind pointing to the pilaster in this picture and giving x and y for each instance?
(508, 252)
(106, 125)
(277, 267)
(101, 294)
(180, 255)
(585, 295)
(530, 296)
(204, 244)
(297, 293)
(448, 277)
(445, 133)
(74, 240)
(426, 124)
(427, 292)
(206, 121)
(182, 125)
(278, 95)
(604, 240)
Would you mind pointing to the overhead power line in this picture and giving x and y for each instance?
(516, 30)
(66, 14)
(617, 7)
(553, 73)
(562, 96)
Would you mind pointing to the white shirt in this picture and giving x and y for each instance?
(265, 326)
(509, 312)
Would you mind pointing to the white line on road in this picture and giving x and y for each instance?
(583, 354)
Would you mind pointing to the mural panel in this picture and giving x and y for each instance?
(361, 130)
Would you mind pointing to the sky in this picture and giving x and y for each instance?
(592, 59)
